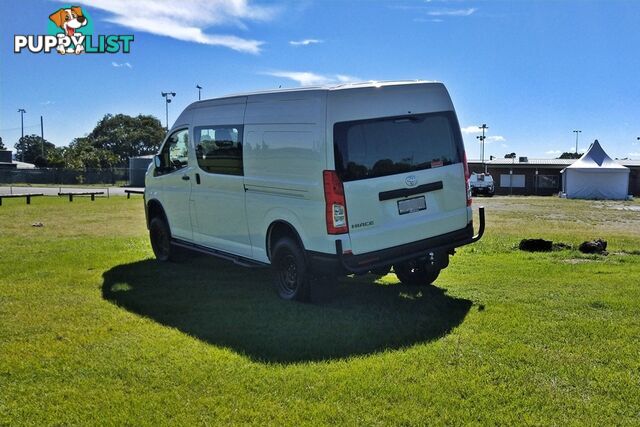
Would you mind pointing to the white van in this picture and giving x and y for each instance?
(316, 182)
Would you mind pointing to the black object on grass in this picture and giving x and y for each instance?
(536, 245)
(597, 246)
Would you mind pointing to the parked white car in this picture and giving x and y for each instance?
(316, 182)
(482, 183)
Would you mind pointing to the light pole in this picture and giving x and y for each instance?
(577, 132)
(167, 99)
(199, 89)
(482, 138)
(22, 111)
(42, 135)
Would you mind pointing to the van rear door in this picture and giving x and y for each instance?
(403, 178)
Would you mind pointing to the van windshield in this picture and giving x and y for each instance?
(391, 145)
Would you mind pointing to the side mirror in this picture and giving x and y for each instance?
(157, 161)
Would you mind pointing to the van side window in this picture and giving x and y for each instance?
(219, 149)
(174, 154)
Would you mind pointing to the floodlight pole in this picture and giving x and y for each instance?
(199, 89)
(577, 132)
(167, 99)
(22, 111)
(42, 135)
(482, 138)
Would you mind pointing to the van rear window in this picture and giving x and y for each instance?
(391, 145)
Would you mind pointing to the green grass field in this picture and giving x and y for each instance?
(94, 331)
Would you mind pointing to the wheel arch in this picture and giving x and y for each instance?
(278, 229)
(154, 209)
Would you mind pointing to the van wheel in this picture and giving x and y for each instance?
(292, 279)
(160, 237)
(415, 272)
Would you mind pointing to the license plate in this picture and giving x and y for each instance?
(414, 204)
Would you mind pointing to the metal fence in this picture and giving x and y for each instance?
(115, 176)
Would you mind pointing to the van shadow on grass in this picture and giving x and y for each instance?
(234, 307)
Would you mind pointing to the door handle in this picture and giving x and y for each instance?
(197, 178)
(185, 177)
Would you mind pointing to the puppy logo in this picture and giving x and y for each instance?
(70, 31)
(69, 20)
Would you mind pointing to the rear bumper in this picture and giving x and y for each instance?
(347, 263)
(484, 190)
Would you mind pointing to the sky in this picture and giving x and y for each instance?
(533, 71)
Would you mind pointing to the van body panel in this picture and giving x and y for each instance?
(284, 156)
(385, 101)
(219, 199)
(174, 196)
(375, 224)
(172, 191)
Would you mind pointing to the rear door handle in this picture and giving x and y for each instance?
(406, 192)
(197, 178)
(185, 177)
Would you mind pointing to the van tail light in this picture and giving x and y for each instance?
(467, 179)
(335, 202)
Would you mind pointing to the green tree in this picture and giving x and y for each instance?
(127, 136)
(55, 157)
(2, 146)
(31, 147)
(81, 154)
(567, 155)
(510, 156)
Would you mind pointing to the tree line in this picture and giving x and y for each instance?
(110, 144)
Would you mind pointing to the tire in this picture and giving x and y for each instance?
(292, 279)
(416, 273)
(160, 236)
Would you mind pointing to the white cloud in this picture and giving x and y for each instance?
(475, 130)
(47, 102)
(307, 78)
(305, 42)
(504, 145)
(452, 12)
(343, 78)
(496, 138)
(121, 64)
(553, 152)
(470, 130)
(634, 154)
(187, 20)
(428, 20)
(573, 149)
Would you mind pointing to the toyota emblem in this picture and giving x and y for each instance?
(411, 181)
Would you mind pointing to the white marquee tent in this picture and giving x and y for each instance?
(595, 176)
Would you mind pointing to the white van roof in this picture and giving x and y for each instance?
(328, 87)
(310, 91)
